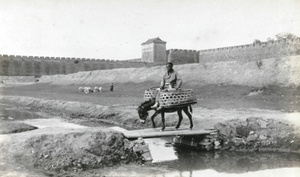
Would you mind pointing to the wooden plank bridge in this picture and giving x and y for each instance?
(169, 131)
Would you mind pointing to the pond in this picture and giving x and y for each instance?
(174, 161)
(186, 159)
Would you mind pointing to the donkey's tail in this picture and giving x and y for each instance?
(191, 109)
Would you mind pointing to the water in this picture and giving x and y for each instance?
(159, 151)
(189, 162)
(52, 123)
(232, 162)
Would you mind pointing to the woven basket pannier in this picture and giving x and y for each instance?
(172, 98)
(150, 93)
(177, 98)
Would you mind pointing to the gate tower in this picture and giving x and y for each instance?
(154, 50)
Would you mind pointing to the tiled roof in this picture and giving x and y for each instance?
(154, 40)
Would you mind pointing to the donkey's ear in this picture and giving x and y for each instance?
(152, 100)
(148, 104)
(142, 104)
(145, 102)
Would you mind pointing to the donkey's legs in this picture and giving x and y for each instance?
(152, 119)
(179, 112)
(186, 110)
(163, 121)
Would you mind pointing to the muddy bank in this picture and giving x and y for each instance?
(67, 153)
(75, 151)
(254, 134)
(69, 110)
(257, 134)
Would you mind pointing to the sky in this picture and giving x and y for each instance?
(115, 29)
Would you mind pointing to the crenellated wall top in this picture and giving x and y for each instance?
(65, 59)
(183, 50)
(254, 46)
(283, 42)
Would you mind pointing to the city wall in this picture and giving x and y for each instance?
(251, 52)
(242, 53)
(283, 71)
(181, 56)
(11, 65)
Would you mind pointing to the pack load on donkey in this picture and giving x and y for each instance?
(169, 99)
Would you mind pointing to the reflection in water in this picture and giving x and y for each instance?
(191, 161)
(159, 151)
(232, 162)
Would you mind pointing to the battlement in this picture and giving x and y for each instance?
(182, 56)
(23, 57)
(255, 45)
(183, 50)
(45, 65)
(252, 52)
(242, 53)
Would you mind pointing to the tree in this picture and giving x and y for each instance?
(256, 41)
(270, 39)
(288, 36)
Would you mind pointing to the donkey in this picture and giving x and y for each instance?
(146, 106)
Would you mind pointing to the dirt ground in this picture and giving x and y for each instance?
(47, 149)
(209, 96)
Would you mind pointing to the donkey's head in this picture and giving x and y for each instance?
(143, 110)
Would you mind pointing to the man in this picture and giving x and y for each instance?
(111, 87)
(170, 81)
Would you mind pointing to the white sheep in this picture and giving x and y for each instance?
(88, 90)
(96, 89)
(81, 89)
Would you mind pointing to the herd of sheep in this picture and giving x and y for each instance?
(90, 90)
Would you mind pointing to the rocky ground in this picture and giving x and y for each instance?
(248, 119)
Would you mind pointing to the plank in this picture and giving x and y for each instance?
(169, 131)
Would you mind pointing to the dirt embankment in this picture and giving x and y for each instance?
(125, 117)
(282, 72)
(66, 152)
(76, 151)
(258, 134)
